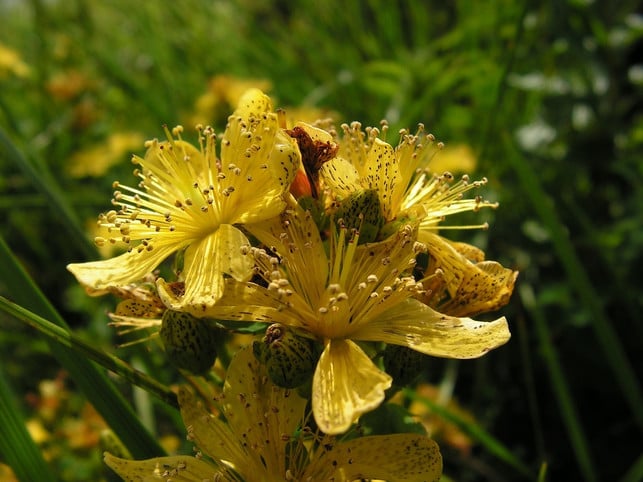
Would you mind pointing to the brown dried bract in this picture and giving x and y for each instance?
(313, 155)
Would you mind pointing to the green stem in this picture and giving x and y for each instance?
(107, 360)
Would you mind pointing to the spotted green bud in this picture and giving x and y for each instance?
(362, 210)
(403, 364)
(189, 342)
(290, 359)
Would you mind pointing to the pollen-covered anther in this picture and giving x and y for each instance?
(99, 241)
(322, 310)
(361, 286)
(334, 288)
(374, 295)
(419, 247)
(371, 278)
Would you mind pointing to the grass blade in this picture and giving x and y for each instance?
(560, 388)
(16, 445)
(635, 473)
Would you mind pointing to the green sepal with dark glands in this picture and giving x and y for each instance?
(403, 364)
(290, 359)
(361, 211)
(189, 342)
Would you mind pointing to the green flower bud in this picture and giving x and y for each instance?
(188, 341)
(403, 364)
(362, 210)
(289, 359)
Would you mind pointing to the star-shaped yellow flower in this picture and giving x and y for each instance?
(357, 293)
(407, 190)
(264, 439)
(189, 200)
(399, 175)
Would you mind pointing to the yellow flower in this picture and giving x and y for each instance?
(264, 438)
(358, 293)
(406, 189)
(96, 160)
(189, 200)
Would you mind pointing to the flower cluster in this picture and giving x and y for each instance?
(329, 239)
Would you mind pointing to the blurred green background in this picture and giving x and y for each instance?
(543, 98)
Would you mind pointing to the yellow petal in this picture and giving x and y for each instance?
(341, 177)
(382, 174)
(253, 103)
(399, 457)
(206, 261)
(307, 263)
(248, 302)
(120, 270)
(315, 133)
(162, 468)
(346, 385)
(487, 286)
(259, 161)
(260, 413)
(211, 435)
(421, 328)
(472, 287)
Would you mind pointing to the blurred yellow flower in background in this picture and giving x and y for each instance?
(12, 64)
(222, 95)
(96, 160)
